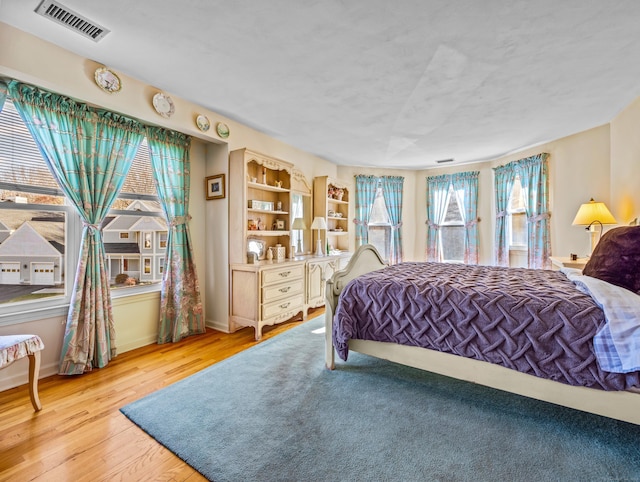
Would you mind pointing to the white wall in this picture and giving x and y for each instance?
(625, 164)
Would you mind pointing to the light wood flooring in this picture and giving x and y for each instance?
(80, 434)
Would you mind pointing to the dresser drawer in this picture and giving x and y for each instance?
(284, 290)
(285, 308)
(284, 273)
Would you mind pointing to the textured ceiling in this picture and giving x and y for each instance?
(370, 82)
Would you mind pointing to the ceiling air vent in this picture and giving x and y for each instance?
(442, 161)
(70, 19)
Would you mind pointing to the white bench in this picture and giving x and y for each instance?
(14, 347)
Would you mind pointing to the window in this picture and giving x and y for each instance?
(517, 218)
(297, 211)
(380, 226)
(35, 213)
(452, 231)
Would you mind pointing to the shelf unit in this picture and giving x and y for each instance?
(259, 203)
(262, 190)
(331, 201)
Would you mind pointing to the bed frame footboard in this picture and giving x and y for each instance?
(364, 260)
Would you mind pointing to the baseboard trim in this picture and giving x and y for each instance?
(218, 325)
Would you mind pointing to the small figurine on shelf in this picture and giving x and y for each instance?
(264, 175)
(330, 192)
(338, 194)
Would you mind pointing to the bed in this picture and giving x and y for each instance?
(570, 376)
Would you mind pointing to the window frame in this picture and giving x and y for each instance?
(386, 226)
(58, 306)
(451, 195)
(522, 248)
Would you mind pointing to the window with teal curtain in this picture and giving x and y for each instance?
(88, 152)
(180, 303)
(366, 187)
(465, 186)
(534, 178)
(437, 196)
(392, 187)
(504, 179)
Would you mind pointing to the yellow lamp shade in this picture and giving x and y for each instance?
(593, 212)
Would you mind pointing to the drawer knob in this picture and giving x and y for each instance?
(284, 274)
(284, 305)
(285, 289)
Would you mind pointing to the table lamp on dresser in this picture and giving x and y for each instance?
(320, 224)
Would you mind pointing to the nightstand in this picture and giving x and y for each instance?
(559, 262)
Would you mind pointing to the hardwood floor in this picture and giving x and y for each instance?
(80, 434)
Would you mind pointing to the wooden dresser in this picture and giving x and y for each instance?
(267, 293)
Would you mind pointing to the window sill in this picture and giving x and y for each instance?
(60, 309)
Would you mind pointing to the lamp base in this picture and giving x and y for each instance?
(319, 250)
(299, 248)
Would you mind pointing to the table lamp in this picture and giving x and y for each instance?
(320, 224)
(299, 225)
(592, 213)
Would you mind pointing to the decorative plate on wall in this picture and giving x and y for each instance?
(223, 130)
(107, 80)
(202, 121)
(163, 105)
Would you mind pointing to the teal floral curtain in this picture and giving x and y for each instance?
(505, 176)
(3, 93)
(366, 187)
(535, 183)
(392, 191)
(180, 304)
(534, 178)
(437, 194)
(89, 153)
(465, 186)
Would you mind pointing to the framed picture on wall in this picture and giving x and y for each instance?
(214, 187)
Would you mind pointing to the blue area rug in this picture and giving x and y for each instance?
(274, 413)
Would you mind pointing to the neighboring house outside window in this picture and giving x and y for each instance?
(125, 256)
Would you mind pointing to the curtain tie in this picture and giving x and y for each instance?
(397, 226)
(431, 224)
(178, 220)
(473, 222)
(360, 223)
(501, 214)
(538, 217)
(91, 227)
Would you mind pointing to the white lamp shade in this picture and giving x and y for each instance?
(298, 223)
(318, 223)
(593, 212)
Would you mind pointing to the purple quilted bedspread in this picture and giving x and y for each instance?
(533, 321)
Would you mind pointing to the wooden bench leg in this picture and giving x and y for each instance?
(34, 371)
